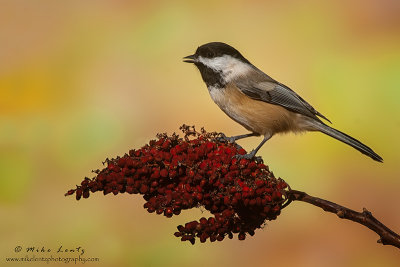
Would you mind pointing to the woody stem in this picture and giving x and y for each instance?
(387, 236)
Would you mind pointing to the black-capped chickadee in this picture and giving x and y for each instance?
(256, 101)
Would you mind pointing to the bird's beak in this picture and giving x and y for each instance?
(189, 59)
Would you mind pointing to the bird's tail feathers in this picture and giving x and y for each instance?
(347, 139)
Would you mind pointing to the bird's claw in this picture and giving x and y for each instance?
(248, 156)
(221, 138)
(245, 156)
(224, 138)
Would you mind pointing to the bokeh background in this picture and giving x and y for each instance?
(84, 80)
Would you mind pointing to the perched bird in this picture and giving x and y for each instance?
(259, 103)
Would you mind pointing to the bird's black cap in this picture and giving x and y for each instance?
(215, 49)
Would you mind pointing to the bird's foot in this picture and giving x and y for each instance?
(245, 156)
(223, 138)
(249, 156)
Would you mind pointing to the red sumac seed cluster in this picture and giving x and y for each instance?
(198, 170)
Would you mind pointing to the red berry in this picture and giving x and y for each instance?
(168, 212)
(143, 189)
(78, 193)
(242, 236)
(164, 173)
(85, 194)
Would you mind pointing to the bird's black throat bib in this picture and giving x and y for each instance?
(210, 77)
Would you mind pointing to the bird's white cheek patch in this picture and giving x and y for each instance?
(217, 63)
(229, 66)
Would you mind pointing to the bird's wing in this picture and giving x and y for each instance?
(260, 86)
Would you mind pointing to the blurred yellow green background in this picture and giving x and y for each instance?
(84, 80)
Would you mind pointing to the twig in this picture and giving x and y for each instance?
(387, 236)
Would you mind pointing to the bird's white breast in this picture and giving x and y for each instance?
(217, 94)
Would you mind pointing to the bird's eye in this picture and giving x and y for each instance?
(210, 54)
